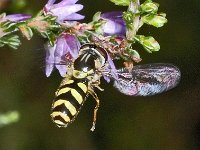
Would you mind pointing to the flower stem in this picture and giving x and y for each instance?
(133, 7)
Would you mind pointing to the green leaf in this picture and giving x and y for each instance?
(149, 43)
(43, 34)
(121, 2)
(96, 16)
(14, 42)
(49, 18)
(133, 53)
(156, 20)
(52, 38)
(8, 26)
(83, 38)
(11, 41)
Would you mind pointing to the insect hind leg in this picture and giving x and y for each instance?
(94, 95)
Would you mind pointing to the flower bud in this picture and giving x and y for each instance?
(149, 43)
(113, 23)
(149, 7)
(157, 20)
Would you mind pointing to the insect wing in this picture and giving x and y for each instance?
(148, 79)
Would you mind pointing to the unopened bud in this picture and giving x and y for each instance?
(149, 7)
(157, 20)
(149, 43)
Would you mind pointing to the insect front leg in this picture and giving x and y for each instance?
(94, 95)
(95, 82)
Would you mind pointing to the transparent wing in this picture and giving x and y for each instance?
(148, 79)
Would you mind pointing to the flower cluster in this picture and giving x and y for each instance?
(67, 46)
(110, 35)
(58, 21)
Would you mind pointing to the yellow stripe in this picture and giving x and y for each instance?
(67, 104)
(83, 87)
(58, 102)
(77, 96)
(59, 122)
(66, 81)
(62, 91)
(64, 116)
(69, 82)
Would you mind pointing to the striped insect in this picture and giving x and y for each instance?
(79, 82)
(85, 73)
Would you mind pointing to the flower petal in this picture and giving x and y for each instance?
(49, 59)
(49, 69)
(63, 12)
(106, 78)
(111, 28)
(17, 17)
(73, 45)
(75, 16)
(61, 49)
(112, 67)
(51, 2)
(64, 3)
(62, 69)
(112, 15)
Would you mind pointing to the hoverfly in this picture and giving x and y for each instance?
(84, 75)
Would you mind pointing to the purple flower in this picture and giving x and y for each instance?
(16, 17)
(111, 69)
(64, 10)
(65, 50)
(115, 24)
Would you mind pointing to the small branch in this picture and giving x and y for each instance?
(133, 7)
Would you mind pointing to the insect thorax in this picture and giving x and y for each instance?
(91, 58)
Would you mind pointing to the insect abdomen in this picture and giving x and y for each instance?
(68, 101)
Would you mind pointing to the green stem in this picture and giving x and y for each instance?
(133, 7)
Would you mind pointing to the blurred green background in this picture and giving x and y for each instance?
(169, 121)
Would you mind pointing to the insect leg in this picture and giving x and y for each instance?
(94, 95)
(96, 84)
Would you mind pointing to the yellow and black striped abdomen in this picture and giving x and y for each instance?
(68, 101)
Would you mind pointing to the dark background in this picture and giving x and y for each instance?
(169, 121)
